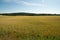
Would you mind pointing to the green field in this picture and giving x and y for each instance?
(29, 27)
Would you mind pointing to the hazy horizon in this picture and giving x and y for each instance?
(30, 6)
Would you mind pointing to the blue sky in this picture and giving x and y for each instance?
(38, 6)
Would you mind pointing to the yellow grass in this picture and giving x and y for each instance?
(27, 27)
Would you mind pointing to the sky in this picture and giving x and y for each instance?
(33, 6)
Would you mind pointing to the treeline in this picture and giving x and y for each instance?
(29, 14)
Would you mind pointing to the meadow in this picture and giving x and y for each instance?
(29, 27)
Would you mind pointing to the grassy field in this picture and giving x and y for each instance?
(29, 27)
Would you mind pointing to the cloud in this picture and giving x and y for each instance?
(26, 3)
(32, 4)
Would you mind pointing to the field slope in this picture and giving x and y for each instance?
(29, 27)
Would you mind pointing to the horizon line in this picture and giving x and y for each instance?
(30, 12)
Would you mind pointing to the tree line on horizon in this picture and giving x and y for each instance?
(29, 14)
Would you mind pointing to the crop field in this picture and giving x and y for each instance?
(29, 27)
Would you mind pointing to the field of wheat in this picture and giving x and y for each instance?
(29, 27)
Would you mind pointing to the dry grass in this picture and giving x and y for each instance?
(29, 27)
